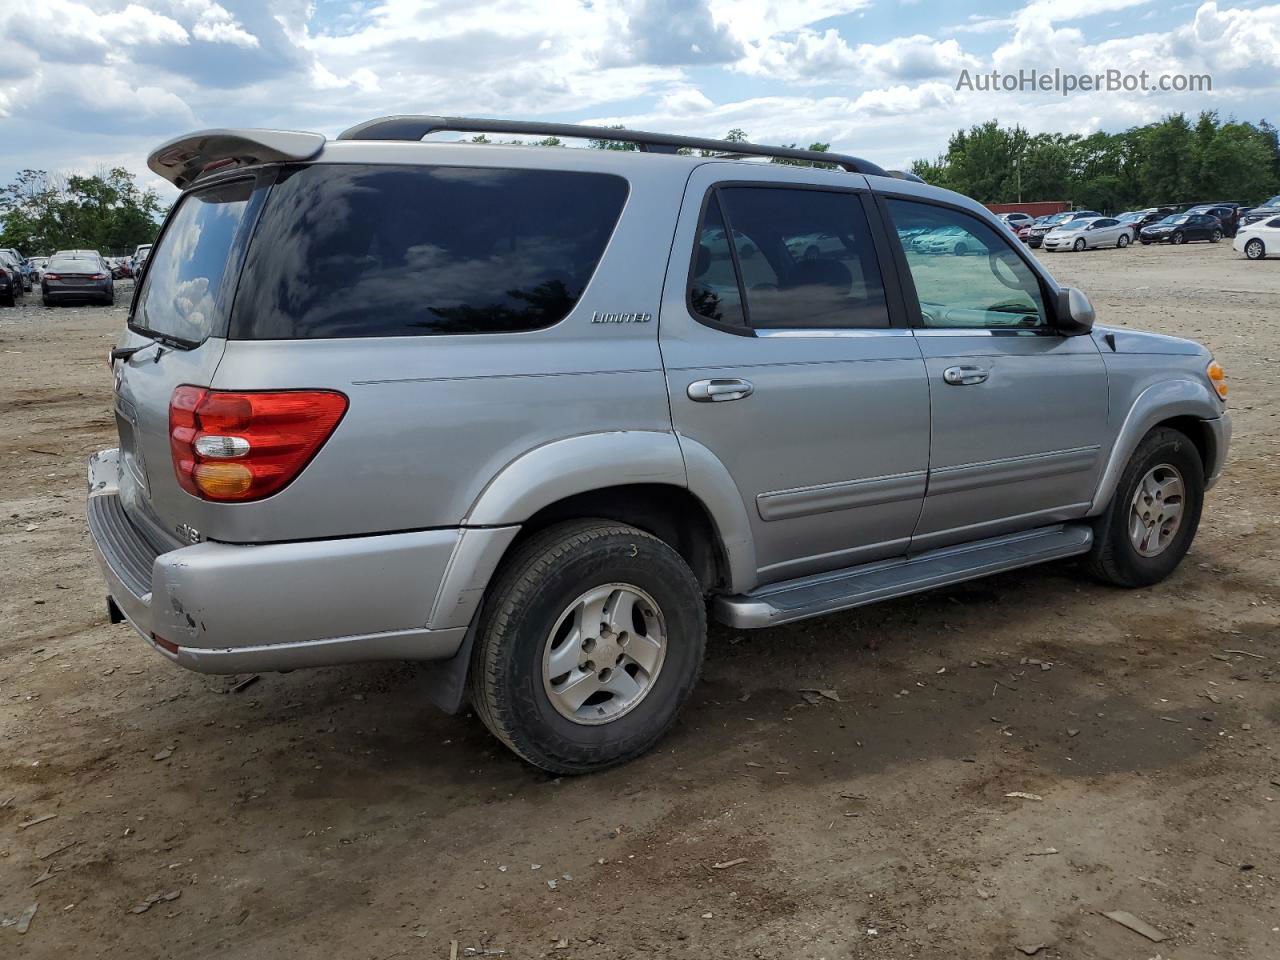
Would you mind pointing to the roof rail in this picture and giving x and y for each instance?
(417, 127)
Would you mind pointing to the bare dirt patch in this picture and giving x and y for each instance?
(334, 812)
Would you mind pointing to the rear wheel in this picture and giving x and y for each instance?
(1153, 515)
(590, 641)
(1215, 236)
(1123, 241)
(1255, 249)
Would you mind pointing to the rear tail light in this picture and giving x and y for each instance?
(53, 276)
(237, 446)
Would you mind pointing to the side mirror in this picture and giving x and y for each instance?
(1075, 314)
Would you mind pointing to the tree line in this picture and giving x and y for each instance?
(1174, 160)
(44, 212)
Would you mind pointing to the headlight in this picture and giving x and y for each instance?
(1217, 377)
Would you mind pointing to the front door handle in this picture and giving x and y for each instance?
(718, 391)
(963, 376)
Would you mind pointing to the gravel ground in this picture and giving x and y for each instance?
(335, 811)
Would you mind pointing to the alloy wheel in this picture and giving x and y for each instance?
(1155, 512)
(604, 653)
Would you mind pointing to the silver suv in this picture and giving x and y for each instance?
(532, 414)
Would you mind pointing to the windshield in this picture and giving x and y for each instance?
(1176, 219)
(191, 274)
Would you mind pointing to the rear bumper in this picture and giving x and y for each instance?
(76, 293)
(228, 608)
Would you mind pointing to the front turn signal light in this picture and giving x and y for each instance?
(1217, 377)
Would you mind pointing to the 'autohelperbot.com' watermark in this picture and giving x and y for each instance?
(1066, 83)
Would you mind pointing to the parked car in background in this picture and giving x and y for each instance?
(1023, 231)
(68, 278)
(1135, 220)
(1182, 227)
(371, 453)
(1016, 219)
(25, 272)
(1038, 232)
(139, 258)
(1263, 211)
(37, 265)
(1086, 233)
(10, 280)
(1260, 239)
(1225, 215)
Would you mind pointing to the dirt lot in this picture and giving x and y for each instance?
(334, 811)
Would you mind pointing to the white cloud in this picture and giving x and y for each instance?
(809, 56)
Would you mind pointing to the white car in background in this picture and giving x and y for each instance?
(1259, 240)
(1089, 232)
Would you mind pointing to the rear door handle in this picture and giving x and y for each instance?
(964, 376)
(718, 391)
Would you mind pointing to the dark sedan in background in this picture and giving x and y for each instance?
(1182, 227)
(77, 278)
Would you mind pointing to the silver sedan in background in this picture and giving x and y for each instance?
(1088, 232)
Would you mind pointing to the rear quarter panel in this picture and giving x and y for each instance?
(433, 419)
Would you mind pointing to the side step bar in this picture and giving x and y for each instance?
(815, 595)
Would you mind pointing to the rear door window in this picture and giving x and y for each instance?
(347, 250)
(804, 260)
(191, 276)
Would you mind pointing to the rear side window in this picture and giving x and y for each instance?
(804, 259)
(191, 275)
(345, 250)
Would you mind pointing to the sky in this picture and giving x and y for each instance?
(87, 83)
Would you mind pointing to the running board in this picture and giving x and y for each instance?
(815, 595)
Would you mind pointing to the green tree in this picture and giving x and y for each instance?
(107, 211)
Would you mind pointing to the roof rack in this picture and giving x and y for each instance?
(417, 127)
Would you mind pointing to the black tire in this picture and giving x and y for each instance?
(1146, 243)
(1122, 241)
(1113, 558)
(47, 302)
(1179, 238)
(1215, 236)
(9, 301)
(1078, 245)
(1255, 249)
(529, 593)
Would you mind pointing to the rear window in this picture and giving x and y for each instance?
(190, 278)
(346, 250)
(72, 265)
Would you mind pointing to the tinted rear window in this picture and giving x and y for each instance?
(72, 265)
(391, 251)
(190, 278)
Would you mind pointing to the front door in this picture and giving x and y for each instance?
(783, 360)
(1019, 411)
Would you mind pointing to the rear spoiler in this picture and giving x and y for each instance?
(183, 159)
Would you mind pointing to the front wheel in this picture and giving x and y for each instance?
(1255, 250)
(1078, 245)
(590, 641)
(1179, 238)
(1153, 515)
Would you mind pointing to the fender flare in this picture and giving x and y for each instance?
(1157, 403)
(563, 468)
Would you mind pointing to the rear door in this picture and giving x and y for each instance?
(1108, 232)
(1019, 411)
(182, 304)
(788, 361)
